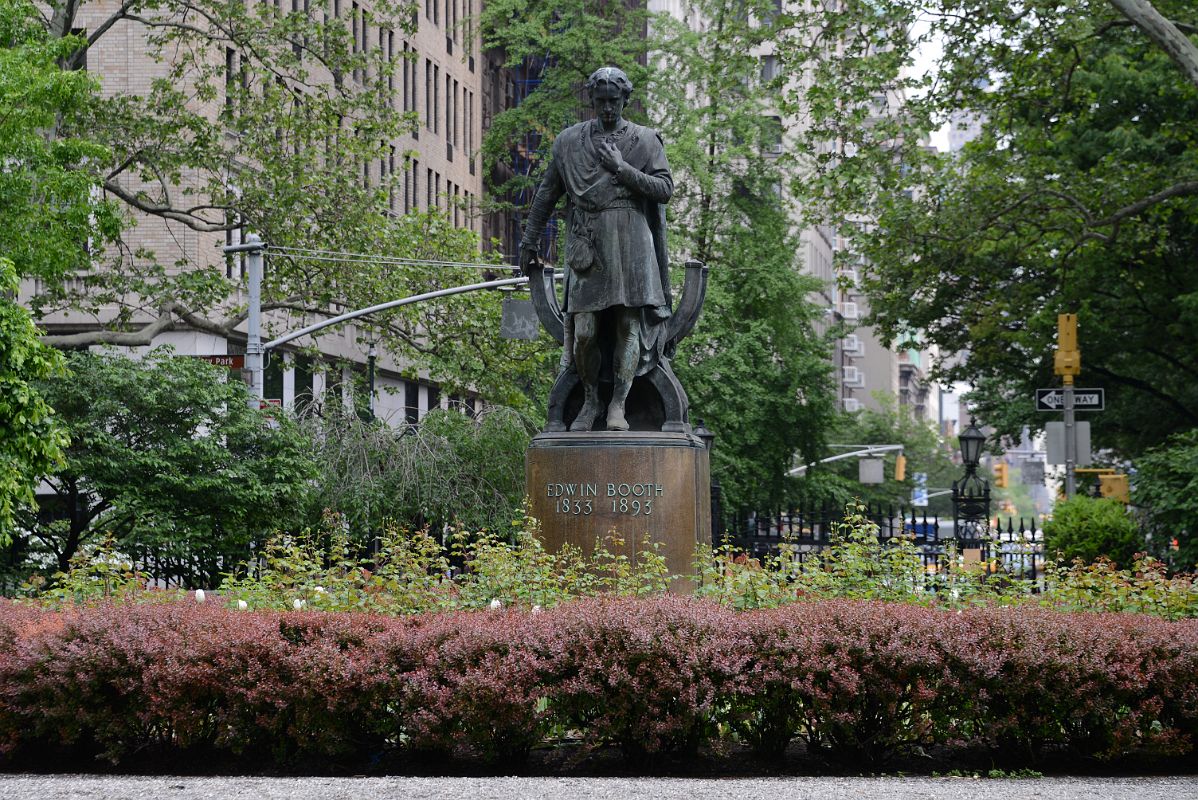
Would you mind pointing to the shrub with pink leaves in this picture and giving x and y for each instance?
(645, 675)
(858, 682)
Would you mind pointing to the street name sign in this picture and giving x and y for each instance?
(232, 362)
(1083, 399)
(919, 492)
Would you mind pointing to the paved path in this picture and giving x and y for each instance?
(46, 787)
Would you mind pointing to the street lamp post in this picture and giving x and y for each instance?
(971, 494)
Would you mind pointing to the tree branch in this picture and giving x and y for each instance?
(164, 210)
(1164, 33)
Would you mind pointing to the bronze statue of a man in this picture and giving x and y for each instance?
(616, 180)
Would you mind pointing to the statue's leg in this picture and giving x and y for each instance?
(625, 357)
(587, 360)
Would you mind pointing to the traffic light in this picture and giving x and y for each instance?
(1115, 487)
(1068, 358)
(900, 467)
(1002, 475)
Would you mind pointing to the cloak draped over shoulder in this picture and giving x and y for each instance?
(615, 246)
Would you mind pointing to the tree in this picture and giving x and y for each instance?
(757, 365)
(263, 119)
(49, 187)
(1081, 195)
(1088, 528)
(452, 469)
(552, 46)
(167, 456)
(1166, 488)
(31, 441)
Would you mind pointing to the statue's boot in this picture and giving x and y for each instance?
(615, 410)
(591, 409)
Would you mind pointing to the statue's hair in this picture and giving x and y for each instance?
(612, 75)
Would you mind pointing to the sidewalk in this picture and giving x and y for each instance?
(46, 787)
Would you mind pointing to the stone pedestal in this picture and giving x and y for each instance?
(637, 483)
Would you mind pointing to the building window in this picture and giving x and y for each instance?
(390, 65)
(389, 174)
(436, 120)
(769, 68)
(429, 204)
(415, 184)
(411, 402)
(428, 94)
(457, 141)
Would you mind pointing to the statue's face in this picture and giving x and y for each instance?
(608, 102)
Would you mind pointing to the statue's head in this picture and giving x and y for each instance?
(610, 75)
(610, 89)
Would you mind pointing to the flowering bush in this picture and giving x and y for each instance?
(856, 681)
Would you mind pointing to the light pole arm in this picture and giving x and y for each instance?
(865, 450)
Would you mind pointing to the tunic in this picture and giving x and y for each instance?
(615, 241)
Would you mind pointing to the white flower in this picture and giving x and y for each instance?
(297, 604)
(199, 595)
(242, 605)
(496, 605)
(536, 609)
(319, 590)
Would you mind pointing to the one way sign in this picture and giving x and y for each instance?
(1083, 399)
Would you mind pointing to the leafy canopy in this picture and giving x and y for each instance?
(1079, 196)
(167, 456)
(31, 440)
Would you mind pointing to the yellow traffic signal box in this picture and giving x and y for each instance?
(900, 467)
(1002, 474)
(1068, 358)
(1115, 487)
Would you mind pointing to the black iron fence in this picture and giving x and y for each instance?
(1014, 546)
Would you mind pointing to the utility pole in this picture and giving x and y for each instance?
(253, 340)
(1068, 364)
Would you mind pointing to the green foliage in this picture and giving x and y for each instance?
(1088, 528)
(557, 44)
(168, 458)
(1145, 588)
(756, 368)
(1078, 197)
(97, 574)
(50, 203)
(1166, 489)
(735, 580)
(31, 440)
(410, 572)
(451, 470)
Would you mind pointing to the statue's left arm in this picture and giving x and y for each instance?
(654, 181)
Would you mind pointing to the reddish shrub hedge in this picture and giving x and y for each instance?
(857, 681)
